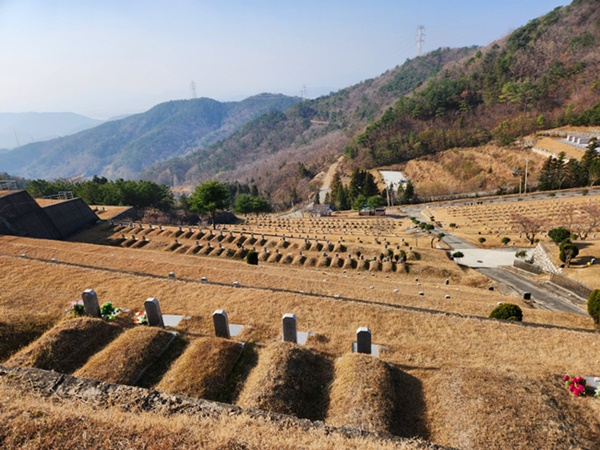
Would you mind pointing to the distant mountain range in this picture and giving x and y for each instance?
(543, 75)
(123, 148)
(17, 129)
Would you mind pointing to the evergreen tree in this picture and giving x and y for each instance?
(408, 194)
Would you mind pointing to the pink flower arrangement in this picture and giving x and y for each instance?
(575, 384)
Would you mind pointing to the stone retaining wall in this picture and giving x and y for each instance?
(542, 259)
(131, 398)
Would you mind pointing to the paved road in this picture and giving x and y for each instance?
(545, 296)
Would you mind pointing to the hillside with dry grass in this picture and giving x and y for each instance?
(485, 169)
(441, 354)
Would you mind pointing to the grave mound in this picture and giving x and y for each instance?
(507, 409)
(67, 346)
(362, 394)
(288, 379)
(203, 369)
(127, 357)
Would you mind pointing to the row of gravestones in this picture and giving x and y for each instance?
(221, 321)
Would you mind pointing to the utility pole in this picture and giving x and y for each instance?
(526, 166)
(420, 39)
(193, 89)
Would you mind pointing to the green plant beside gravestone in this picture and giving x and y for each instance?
(108, 311)
(507, 311)
(593, 306)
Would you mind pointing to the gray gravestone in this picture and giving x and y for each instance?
(363, 340)
(290, 333)
(221, 324)
(155, 318)
(90, 303)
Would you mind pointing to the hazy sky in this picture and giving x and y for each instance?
(103, 58)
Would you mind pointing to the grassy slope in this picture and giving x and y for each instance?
(425, 345)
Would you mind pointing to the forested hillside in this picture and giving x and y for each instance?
(542, 75)
(281, 151)
(123, 148)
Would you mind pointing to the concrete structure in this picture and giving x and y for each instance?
(20, 215)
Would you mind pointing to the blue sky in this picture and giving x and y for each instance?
(103, 58)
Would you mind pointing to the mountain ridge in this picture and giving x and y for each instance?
(122, 148)
(40, 126)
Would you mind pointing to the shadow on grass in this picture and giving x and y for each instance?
(18, 332)
(408, 418)
(236, 379)
(156, 371)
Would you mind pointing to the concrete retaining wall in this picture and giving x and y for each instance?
(20, 215)
(574, 286)
(527, 267)
(70, 216)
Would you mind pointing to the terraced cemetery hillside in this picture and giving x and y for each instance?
(435, 351)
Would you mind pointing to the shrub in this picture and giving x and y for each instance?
(481, 240)
(593, 305)
(505, 240)
(252, 258)
(559, 234)
(458, 255)
(568, 251)
(507, 311)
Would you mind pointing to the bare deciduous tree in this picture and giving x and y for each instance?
(528, 225)
(592, 220)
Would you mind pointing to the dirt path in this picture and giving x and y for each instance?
(326, 186)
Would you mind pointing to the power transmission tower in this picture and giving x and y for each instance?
(193, 89)
(420, 39)
(303, 92)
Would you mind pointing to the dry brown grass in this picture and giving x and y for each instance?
(554, 146)
(422, 342)
(17, 331)
(362, 394)
(67, 346)
(492, 220)
(29, 421)
(125, 359)
(469, 170)
(203, 368)
(288, 379)
(477, 408)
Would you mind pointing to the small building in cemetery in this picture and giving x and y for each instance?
(321, 210)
